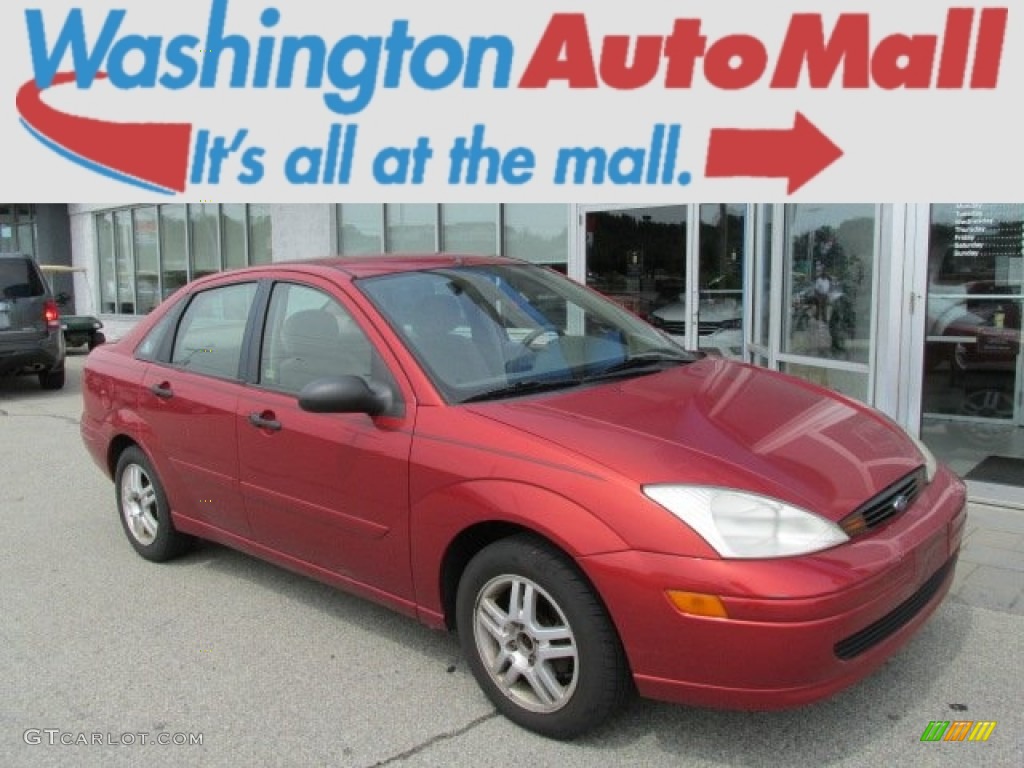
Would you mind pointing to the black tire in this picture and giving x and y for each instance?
(144, 511)
(52, 379)
(95, 339)
(584, 688)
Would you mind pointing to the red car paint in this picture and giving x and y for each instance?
(377, 505)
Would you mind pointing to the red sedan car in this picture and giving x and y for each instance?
(493, 448)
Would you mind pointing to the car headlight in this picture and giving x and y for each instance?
(931, 466)
(745, 525)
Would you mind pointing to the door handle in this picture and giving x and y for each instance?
(163, 391)
(258, 420)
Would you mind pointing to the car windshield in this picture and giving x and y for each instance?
(489, 331)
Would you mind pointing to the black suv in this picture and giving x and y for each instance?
(31, 341)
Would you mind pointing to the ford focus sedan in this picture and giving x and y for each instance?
(496, 450)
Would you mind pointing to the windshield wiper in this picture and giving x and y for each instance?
(650, 362)
(525, 387)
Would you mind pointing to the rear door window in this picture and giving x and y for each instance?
(212, 330)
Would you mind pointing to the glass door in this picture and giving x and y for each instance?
(827, 295)
(973, 367)
(719, 303)
(686, 280)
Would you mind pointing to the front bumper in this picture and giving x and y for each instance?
(798, 629)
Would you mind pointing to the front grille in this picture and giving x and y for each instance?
(891, 502)
(893, 621)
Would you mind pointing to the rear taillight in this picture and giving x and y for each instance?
(51, 314)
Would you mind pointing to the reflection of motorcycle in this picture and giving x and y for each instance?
(815, 313)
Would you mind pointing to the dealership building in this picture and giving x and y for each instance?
(912, 308)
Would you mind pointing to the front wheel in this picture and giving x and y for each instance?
(145, 512)
(538, 640)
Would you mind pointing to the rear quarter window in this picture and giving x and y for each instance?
(20, 279)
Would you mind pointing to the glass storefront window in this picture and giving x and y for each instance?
(173, 248)
(124, 260)
(763, 281)
(204, 236)
(720, 279)
(850, 383)
(637, 257)
(360, 229)
(148, 252)
(537, 232)
(105, 254)
(829, 264)
(260, 235)
(8, 231)
(469, 228)
(411, 228)
(232, 223)
(972, 358)
(17, 229)
(147, 259)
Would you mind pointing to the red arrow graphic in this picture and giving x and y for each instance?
(799, 153)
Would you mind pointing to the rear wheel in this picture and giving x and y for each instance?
(145, 513)
(538, 640)
(52, 379)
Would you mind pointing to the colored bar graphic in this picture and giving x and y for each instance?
(958, 730)
(982, 730)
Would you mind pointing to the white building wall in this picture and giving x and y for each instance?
(83, 254)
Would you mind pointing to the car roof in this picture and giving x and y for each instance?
(365, 266)
(356, 267)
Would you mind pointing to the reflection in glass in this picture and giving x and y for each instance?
(720, 279)
(147, 259)
(411, 227)
(124, 262)
(173, 248)
(973, 319)
(469, 228)
(105, 254)
(636, 257)
(762, 299)
(850, 383)
(232, 218)
(829, 271)
(260, 234)
(360, 229)
(537, 232)
(204, 233)
(26, 232)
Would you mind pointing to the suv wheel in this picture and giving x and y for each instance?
(52, 379)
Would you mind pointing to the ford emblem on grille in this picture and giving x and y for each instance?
(900, 503)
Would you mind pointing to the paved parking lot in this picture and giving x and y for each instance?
(266, 668)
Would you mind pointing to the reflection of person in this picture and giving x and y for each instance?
(822, 289)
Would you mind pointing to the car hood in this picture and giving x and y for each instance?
(722, 423)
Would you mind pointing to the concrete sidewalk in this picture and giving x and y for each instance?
(990, 573)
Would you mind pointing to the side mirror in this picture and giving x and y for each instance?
(345, 394)
(62, 299)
